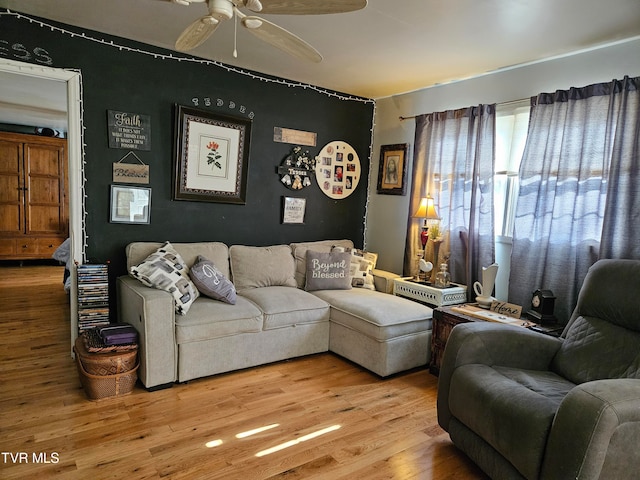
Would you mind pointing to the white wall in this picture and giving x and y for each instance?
(387, 214)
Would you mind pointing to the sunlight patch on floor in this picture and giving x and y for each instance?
(291, 443)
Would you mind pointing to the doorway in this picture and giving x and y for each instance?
(73, 82)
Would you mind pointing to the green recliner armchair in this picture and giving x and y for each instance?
(522, 404)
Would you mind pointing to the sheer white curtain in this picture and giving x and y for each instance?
(454, 163)
(579, 195)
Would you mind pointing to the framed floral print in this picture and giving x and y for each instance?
(211, 156)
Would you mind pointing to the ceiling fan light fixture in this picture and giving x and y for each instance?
(252, 23)
(253, 5)
(210, 20)
(221, 9)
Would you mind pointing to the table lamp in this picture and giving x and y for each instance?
(426, 210)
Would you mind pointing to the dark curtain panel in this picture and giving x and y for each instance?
(579, 190)
(454, 163)
(621, 225)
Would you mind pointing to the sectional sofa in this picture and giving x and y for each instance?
(277, 311)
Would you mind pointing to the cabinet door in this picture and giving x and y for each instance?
(45, 189)
(11, 193)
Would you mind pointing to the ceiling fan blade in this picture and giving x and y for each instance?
(281, 38)
(311, 7)
(196, 33)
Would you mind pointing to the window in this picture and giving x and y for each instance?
(512, 121)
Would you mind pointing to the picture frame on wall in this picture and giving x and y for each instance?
(293, 210)
(130, 204)
(211, 156)
(392, 172)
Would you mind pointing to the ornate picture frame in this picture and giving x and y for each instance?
(211, 156)
(392, 172)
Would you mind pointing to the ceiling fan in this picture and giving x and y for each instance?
(220, 10)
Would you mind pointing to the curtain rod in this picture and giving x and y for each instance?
(511, 102)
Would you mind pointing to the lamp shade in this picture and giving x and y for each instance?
(427, 209)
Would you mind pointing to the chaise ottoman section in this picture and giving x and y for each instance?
(383, 333)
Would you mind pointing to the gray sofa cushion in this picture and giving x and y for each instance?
(375, 314)
(254, 267)
(514, 415)
(287, 306)
(209, 319)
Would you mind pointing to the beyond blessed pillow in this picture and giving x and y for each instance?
(165, 269)
(328, 271)
(211, 282)
(362, 264)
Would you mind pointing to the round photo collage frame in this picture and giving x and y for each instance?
(338, 169)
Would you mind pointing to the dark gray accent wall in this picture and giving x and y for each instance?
(122, 75)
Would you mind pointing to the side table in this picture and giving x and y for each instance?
(445, 318)
(435, 297)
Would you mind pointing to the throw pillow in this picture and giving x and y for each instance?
(328, 271)
(165, 269)
(300, 255)
(211, 282)
(362, 264)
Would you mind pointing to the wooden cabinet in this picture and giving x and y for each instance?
(444, 319)
(33, 195)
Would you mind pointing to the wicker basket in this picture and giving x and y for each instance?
(104, 375)
(104, 386)
(107, 363)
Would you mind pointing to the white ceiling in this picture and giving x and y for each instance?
(33, 101)
(390, 47)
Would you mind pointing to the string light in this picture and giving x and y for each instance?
(190, 59)
(202, 61)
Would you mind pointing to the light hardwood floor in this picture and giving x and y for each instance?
(322, 417)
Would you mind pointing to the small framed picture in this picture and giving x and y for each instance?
(130, 204)
(392, 171)
(293, 210)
